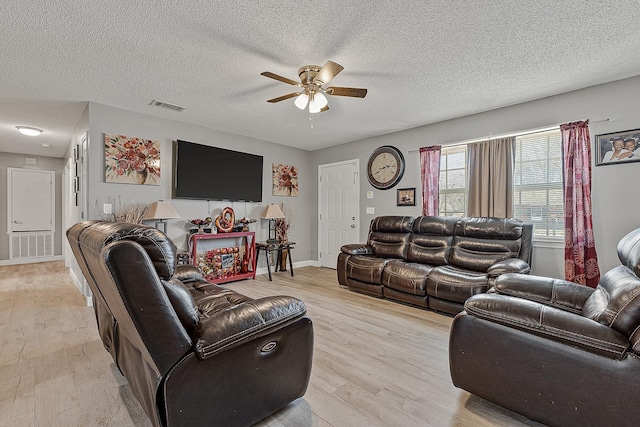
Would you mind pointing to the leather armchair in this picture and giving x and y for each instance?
(192, 352)
(555, 351)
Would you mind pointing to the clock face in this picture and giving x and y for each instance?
(385, 167)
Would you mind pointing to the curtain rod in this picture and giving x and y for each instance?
(507, 135)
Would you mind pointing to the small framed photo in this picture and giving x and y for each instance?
(617, 147)
(406, 197)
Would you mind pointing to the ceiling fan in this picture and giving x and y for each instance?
(312, 80)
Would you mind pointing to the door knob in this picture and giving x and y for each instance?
(353, 226)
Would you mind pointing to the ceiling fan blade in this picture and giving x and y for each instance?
(283, 97)
(347, 91)
(327, 72)
(279, 78)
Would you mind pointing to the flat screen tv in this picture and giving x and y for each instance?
(210, 173)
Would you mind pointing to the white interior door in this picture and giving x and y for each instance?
(339, 205)
(31, 200)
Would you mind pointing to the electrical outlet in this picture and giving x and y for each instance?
(107, 208)
(371, 211)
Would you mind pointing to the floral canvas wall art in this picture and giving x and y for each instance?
(285, 180)
(131, 160)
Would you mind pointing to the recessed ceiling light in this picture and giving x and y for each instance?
(27, 130)
(46, 145)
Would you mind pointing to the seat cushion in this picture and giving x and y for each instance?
(407, 277)
(455, 284)
(366, 268)
(211, 299)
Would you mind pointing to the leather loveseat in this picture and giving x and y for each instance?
(192, 352)
(434, 262)
(554, 351)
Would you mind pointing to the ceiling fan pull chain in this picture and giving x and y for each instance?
(311, 119)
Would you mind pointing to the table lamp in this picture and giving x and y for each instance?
(272, 213)
(161, 211)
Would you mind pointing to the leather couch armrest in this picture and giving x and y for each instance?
(243, 322)
(550, 323)
(557, 293)
(357, 249)
(510, 265)
(188, 273)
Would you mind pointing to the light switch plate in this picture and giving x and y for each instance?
(369, 194)
(107, 208)
(371, 211)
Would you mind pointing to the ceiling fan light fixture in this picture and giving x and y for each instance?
(317, 103)
(301, 101)
(312, 80)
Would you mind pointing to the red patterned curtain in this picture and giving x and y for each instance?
(580, 259)
(430, 174)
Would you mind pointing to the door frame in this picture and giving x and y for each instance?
(326, 165)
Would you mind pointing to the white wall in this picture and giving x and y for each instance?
(103, 119)
(611, 190)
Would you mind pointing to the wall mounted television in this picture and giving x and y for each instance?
(204, 172)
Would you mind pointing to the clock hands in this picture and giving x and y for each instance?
(380, 170)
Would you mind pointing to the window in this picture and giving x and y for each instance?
(538, 193)
(453, 180)
(538, 196)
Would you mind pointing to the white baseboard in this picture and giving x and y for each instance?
(79, 282)
(299, 264)
(30, 260)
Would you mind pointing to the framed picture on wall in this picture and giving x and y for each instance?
(406, 197)
(617, 147)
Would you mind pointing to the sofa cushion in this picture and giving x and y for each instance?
(435, 225)
(366, 268)
(183, 304)
(406, 277)
(210, 298)
(481, 242)
(455, 284)
(388, 236)
(616, 300)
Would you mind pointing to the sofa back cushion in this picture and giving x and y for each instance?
(389, 236)
(431, 240)
(480, 242)
(616, 300)
(128, 263)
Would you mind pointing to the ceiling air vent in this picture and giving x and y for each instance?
(167, 106)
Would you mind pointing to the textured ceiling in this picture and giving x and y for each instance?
(422, 61)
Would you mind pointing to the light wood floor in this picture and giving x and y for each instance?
(376, 363)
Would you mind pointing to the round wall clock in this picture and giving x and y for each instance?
(385, 167)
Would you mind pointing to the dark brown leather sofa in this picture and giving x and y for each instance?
(555, 351)
(435, 262)
(194, 354)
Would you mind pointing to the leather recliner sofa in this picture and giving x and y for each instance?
(435, 262)
(193, 353)
(554, 351)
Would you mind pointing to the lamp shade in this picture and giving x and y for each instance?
(272, 212)
(161, 210)
(318, 102)
(301, 101)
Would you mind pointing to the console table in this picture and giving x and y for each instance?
(249, 239)
(275, 247)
